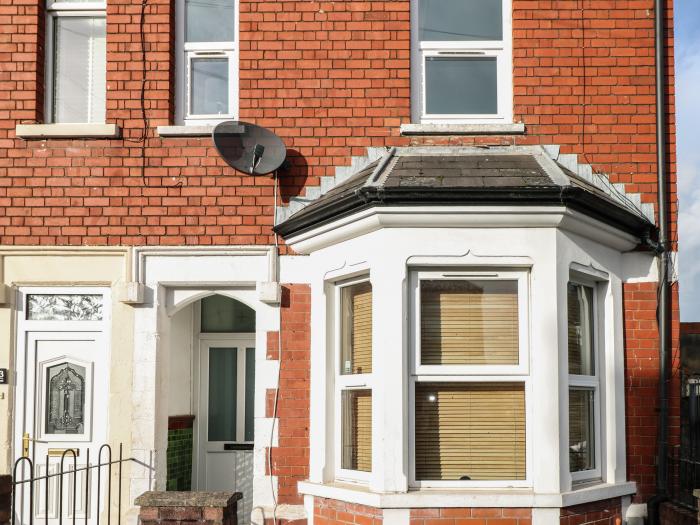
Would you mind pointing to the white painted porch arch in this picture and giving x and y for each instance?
(175, 278)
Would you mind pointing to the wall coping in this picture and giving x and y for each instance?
(187, 499)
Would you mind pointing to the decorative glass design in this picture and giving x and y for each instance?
(64, 307)
(65, 403)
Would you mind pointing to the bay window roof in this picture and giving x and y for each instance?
(466, 176)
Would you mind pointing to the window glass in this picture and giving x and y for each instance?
(209, 86)
(469, 322)
(467, 431)
(461, 85)
(223, 377)
(65, 403)
(357, 430)
(580, 331)
(209, 20)
(64, 307)
(249, 394)
(79, 69)
(222, 314)
(581, 429)
(356, 330)
(460, 20)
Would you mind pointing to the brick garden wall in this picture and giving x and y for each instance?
(605, 512)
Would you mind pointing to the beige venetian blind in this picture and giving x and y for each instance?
(469, 322)
(357, 329)
(470, 431)
(357, 430)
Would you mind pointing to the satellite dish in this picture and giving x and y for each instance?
(249, 148)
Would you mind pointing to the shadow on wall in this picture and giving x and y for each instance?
(292, 180)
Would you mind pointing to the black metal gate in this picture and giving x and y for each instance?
(26, 485)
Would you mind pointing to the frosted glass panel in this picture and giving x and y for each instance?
(461, 86)
(64, 307)
(79, 69)
(222, 314)
(249, 393)
(222, 394)
(460, 20)
(209, 20)
(209, 86)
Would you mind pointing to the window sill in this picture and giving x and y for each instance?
(455, 498)
(62, 131)
(185, 131)
(463, 129)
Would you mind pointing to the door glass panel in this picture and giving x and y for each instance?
(461, 20)
(65, 402)
(461, 86)
(64, 307)
(222, 394)
(249, 393)
(222, 314)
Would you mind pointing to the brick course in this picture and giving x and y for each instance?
(605, 512)
(471, 516)
(331, 512)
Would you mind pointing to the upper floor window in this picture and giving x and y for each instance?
(207, 50)
(462, 65)
(76, 62)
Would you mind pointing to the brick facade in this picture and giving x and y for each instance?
(473, 516)
(331, 512)
(605, 512)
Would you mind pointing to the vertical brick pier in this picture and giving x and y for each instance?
(188, 508)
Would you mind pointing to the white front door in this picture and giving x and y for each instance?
(62, 402)
(225, 417)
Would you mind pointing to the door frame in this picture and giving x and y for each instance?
(203, 342)
(101, 330)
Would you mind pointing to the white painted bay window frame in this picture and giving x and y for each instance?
(55, 10)
(186, 52)
(345, 382)
(476, 374)
(502, 50)
(592, 382)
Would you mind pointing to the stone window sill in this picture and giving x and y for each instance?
(185, 131)
(463, 129)
(62, 131)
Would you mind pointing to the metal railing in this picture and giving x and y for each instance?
(24, 490)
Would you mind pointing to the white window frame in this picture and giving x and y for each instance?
(185, 53)
(344, 382)
(501, 50)
(593, 383)
(55, 10)
(477, 374)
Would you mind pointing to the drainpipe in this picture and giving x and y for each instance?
(653, 505)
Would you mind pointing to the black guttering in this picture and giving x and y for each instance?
(370, 196)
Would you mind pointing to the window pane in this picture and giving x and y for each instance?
(79, 69)
(209, 86)
(64, 307)
(65, 399)
(581, 430)
(461, 86)
(209, 20)
(249, 394)
(357, 430)
(580, 314)
(222, 314)
(460, 20)
(356, 346)
(469, 322)
(467, 431)
(222, 394)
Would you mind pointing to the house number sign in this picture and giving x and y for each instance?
(3, 376)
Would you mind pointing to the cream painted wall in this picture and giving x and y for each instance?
(65, 267)
(181, 341)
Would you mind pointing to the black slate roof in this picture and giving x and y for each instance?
(430, 177)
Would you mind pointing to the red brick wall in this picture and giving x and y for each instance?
(606, 512)
(471, 516)
(290, 459)
(329, 512)
(331, 78)
(671, 514)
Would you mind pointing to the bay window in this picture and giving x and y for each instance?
(353, 379)
(462, 61)
(584, 383)
(207, 45)
(469, 378)
(76, 62)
